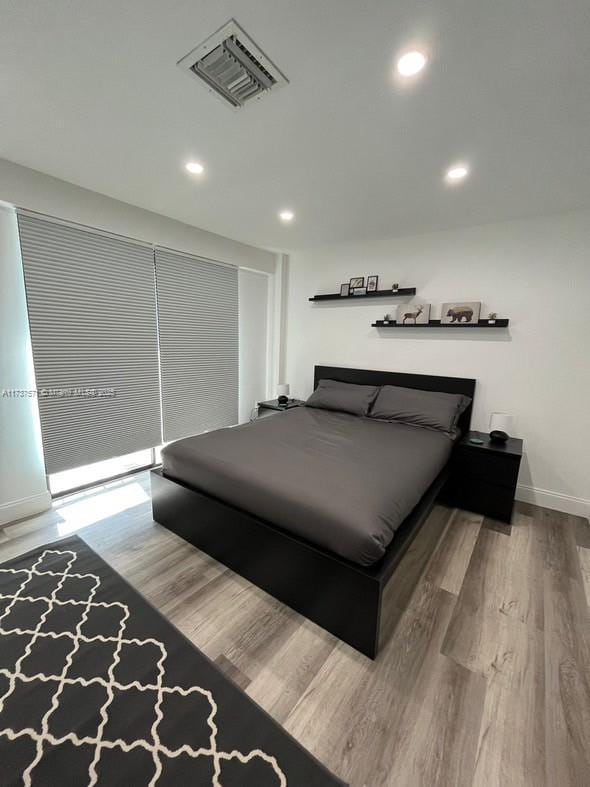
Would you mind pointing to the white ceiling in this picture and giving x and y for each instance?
(90, 93)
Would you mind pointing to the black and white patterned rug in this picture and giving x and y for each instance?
(97, 688)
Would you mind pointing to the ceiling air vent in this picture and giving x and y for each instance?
(232, 66)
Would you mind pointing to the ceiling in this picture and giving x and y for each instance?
(90, 93)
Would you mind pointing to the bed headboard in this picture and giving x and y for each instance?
(423, 382)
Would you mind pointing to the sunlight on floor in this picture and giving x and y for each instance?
(98, 471)
(79, 510)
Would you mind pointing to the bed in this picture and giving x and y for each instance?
(317, 507)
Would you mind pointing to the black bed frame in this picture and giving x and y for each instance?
(342, 597)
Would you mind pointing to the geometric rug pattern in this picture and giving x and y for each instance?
(73, 667)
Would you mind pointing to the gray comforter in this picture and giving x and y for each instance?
(340, 481)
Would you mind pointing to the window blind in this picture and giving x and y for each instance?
(92, 313)
(199, 346)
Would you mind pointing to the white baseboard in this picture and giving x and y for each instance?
(555, 500)
(26, 506)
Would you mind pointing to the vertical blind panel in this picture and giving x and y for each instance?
(199, 349)
(92, 312)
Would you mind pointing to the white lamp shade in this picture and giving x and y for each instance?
(501, 422)
(283, 389)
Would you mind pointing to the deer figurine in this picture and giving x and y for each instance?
(413, 315)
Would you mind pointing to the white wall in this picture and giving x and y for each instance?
(27, 188)
(254, 340)
(535, 272)
(23, 490)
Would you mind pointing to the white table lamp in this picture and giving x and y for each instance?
(501, 427)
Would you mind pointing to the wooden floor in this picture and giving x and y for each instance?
(485, 681)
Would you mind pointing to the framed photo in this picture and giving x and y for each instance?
(357, 281)
(413, 314)
(359, 291)
(344, 290)
(372, 282)
(460, 313)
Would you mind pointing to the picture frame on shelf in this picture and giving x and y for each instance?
(359, 291)
(460, 313)
(344, 290)
(372, 283)
(356, 282)
(413, 314)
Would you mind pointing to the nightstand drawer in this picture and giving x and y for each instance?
(264, 412)
(490, 500)
(272, 407)
(487, 467)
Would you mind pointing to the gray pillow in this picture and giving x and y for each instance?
(345, 397)
(430, 409)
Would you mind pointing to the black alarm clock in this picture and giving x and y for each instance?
(498, 436)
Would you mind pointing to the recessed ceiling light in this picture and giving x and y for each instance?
(286, 215)
(195, 168)
(456, 173)
(411, 63)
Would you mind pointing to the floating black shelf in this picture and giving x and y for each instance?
(438, 324)
(377, 294)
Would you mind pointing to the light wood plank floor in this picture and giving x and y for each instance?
(485, 680)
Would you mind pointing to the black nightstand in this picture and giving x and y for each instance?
(483, 477)
(272, 406)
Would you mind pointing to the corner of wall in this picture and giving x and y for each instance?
(23, 487)
(279, 323)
